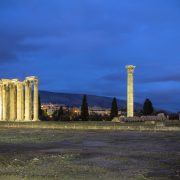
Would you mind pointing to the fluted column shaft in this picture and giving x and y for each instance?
(36, 101)
(8, 102)
(5, 102)
(30, 102)
(16, 101)
(130, 91)
(20, 101)
(27, 100)
(1, 102)
(13, 104)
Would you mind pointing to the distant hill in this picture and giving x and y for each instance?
(76, 100)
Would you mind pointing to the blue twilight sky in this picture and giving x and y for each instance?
(82, 46)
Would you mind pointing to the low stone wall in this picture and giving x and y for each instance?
(91, 126)
(142, 118)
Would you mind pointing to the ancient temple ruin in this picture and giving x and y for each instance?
(130, 90)
(19, 99)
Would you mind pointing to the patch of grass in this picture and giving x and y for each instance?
(15, 136)
(50, 166)
(92, 125)
(83, 154)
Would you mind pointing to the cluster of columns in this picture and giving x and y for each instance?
(19, 100)
(130, 90)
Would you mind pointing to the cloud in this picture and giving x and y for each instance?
(86, 44)
(166, 78)
(167, 99)
(13, 44)
(171, 77)
(115, 77)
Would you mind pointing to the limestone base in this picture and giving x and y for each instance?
(19, 121)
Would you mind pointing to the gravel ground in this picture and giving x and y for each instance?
(57, 154)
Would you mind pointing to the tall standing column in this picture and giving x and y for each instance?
(36, 103)
(8, 101)
(30, 101)
(27, 100)
(4, 102)
(1, 102)
(130, 90)
(13, 100)
(5, 97)
(20, 101)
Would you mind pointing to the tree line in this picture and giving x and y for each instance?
(61, 115)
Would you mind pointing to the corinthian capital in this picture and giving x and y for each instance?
(130, 68)
(36, 82)
(27, 83)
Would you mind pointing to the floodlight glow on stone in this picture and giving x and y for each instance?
(16, 102)
(130, 90)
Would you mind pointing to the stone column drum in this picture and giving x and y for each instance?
(13, 100)
(1, 102)
(130, 90)
(30, 101)
(4, 102)
(8, 102)
(5, 99)
(27, 100)
(36, 99)
(20, 101)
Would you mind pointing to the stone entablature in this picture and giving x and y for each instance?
(19, 99)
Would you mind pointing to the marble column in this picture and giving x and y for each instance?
(16, 101)
(27, 100)
(13, 100)
(20, 101)
(8, 101)
(130, 90)
(30, 101)
(5, 99)
(1, 102)
(36, 103)
(4, 102)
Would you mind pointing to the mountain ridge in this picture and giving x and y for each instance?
(75, 99)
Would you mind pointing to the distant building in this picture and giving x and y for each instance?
(75, 111)
(50, 108)
(100, 111)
